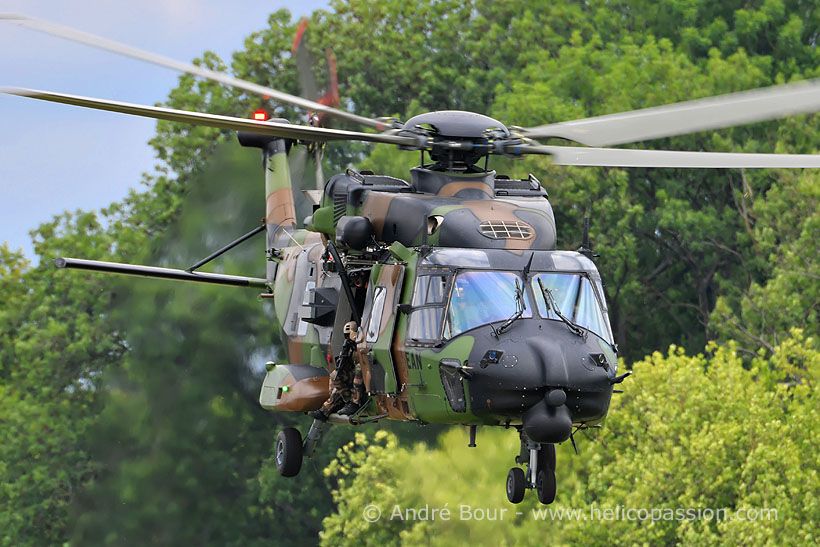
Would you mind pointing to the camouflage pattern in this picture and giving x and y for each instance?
(341, 389)
(382, 377)
(460, 205)
(279, 208)
(438, 224)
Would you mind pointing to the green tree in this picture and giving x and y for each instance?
(787, 231)
(55, 343)
(182, 442)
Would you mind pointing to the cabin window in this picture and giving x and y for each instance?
(376, 314)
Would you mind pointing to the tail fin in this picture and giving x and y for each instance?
(280, 214)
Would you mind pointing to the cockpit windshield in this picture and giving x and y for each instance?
(446, 305)
(482, 297)
(575, 298)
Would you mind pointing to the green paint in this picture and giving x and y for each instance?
(400, 252)
(382, 348)
(323, 221)
(277, 173)
(317, 357)
(429, 401)
(444, 209)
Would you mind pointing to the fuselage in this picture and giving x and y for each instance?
(467, 313)
(433, 344)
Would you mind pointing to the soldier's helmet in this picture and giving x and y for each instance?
(350, 327)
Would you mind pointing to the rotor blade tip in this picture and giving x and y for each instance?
(59, 262)
(20, 91)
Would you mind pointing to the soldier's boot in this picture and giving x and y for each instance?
(348, 409)
(318, 415)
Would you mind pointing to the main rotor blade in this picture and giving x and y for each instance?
(718, 112)
(122, 49)
(301, 132)
(613, 157)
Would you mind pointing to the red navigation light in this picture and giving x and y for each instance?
(260, 115)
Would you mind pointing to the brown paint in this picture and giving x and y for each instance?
(305, 395)
(364, 363)
(295, 349)
(279, 208)
(375, 208)
(452, 188)
(393, 409)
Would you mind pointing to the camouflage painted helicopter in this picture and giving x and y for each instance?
(467, 313)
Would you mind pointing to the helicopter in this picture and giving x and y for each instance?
(465, 311)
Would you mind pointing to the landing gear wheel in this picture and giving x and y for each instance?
(545, 486)
(288, 452)
(516, 485)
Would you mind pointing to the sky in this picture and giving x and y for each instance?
(57, 157)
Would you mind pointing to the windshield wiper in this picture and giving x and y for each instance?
(520, 306)
(580, 331)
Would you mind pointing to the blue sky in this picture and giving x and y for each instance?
(57, 157)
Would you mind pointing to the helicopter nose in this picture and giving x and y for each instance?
(543, 373)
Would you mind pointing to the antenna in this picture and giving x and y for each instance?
(586, 247)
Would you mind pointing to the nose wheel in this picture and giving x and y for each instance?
(516, 485)
(545, 486)
(540, 474)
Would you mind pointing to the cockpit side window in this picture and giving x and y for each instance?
(576, 300)
(425, 324)
(429, 297)
(430, 289)
(588, 313)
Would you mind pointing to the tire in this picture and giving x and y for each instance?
(546, 456)
(288, 452)
(545, 486)
(516, 485)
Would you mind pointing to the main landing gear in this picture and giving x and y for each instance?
(540, 474)
(290, 449)
(288, 452)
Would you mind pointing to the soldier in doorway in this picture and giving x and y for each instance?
(346, 385)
